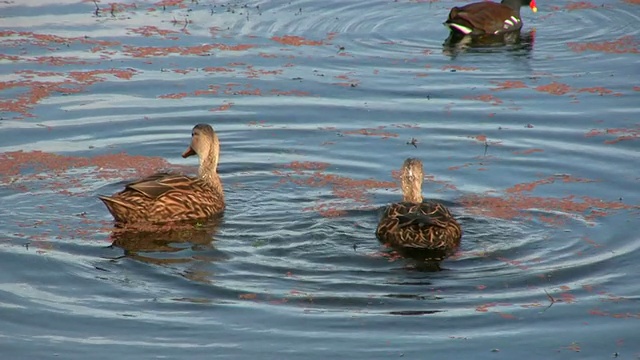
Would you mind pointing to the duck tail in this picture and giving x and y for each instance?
(116, 207)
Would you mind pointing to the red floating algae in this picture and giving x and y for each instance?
(596, 90)
(508, 84)
(554, 88)
(223, 107)
(296, 40)
(580, 5)
(148, 31)
(485, 98)
(37, 90)
(371, 132)
(18, 38)
(625, 44)
(527, 152)
(156, 51)
(481, 138)
(518, 188)
(167, 3)
(52, 169)
(300, 166)
(459, 68)
(515, 205)
(249, 296)
(346, 190)
(622, 134)
(174, 96)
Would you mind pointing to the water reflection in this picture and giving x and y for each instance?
(427, 260)
(166, 244)
(457, 43)
(299, 153)
(421, 260)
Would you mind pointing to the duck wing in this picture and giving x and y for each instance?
(427, 225)
(483, 18)
(156, 185)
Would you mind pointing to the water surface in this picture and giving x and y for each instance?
(533, 146)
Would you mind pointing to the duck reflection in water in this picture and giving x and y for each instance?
(167, 244)
(421, 260)
(457, 43)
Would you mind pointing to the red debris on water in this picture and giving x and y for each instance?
(371, 132)
(37, 90)
(148, 31)
(508, 84)
(519, 188)
(485, 98)
(580, 5)
(554, 88)
(622, 134)
(527, 152)
(296, 40)
(459, 68)
(623, 45)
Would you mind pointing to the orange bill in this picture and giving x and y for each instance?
(188, 152)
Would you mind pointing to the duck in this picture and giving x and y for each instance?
(488, 18)
(414, 223)
(166, 197)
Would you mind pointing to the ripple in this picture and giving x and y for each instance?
(586, 25)
(531, 147)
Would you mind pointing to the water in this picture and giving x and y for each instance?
(533, 146)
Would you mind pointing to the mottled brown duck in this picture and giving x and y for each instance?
(164, 197)
(414, 223)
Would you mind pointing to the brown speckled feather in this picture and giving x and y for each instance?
(427, 225)
(414, 223)
(164, 197)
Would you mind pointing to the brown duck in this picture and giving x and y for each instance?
(413, 223)
(164, 197)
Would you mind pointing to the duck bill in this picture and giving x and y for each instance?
(533, 6)
(188, 152)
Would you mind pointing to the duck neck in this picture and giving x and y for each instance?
(412, 193)
(513, 4)
(208, 170)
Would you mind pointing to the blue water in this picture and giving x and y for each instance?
(310, 136)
